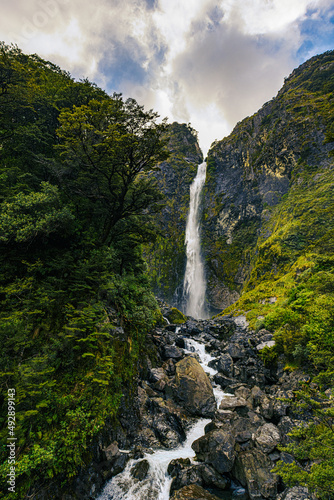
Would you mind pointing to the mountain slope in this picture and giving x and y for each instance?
(269, 208)
(276, 151)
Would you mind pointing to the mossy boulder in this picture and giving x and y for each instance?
(176, 317)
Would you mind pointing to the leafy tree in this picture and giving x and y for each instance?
(108, 149)
(75, 204)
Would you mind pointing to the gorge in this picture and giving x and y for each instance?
(117, 243)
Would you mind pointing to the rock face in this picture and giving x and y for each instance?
(217, 449)
(252, 470)
(267, 156)
(192, 388)
(193, 492)
(166, 258)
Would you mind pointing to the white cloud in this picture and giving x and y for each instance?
(210, 62)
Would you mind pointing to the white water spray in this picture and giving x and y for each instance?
(156, 485)
(194, 281)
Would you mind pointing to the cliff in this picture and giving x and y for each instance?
(166, 257)
(267, 195)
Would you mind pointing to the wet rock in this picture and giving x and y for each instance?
(192, 388)
(267, 437)
(171, 351)
(225, 365)
(252, 470)
(193, 492)
(140, 469)
(179, 342)
(296, 493)
(217, 449)
(224, 382)
(177, 465)
(187, 476)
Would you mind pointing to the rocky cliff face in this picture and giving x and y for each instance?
(267, 160)
(166, 257)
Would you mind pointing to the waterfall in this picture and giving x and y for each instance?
(194, 281)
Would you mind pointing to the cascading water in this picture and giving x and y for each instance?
(194, 280)
(156, 484)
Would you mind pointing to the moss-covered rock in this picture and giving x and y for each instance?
(175, 316)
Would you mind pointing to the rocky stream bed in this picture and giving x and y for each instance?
(201, 429)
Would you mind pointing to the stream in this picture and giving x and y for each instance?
(156, 484)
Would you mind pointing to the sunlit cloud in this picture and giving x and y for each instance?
(207, 62)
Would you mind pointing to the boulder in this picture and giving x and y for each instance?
(252, 470)
(111, 452)
(193, 492)
(268, 343)
(171, 351)
(140, 469)
(297, 493)
(178, 464)
(192, 388)
(187, 476)
(232, 403)
(225, 365)
(217, 449)
(236, 351)
(267, 437)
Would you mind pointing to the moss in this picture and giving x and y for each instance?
(176, 317)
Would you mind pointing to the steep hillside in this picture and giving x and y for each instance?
(271, 180)
(166, 256)
(269, 208)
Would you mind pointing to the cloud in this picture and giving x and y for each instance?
(211, 62)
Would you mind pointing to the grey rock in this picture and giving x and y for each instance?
(225, 365)
(171, 351)
(268, 343)
(217, 449)
(267, 437)
(140, 469)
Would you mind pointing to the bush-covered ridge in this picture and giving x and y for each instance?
(77, 204)
(274, 244)
(266, 156)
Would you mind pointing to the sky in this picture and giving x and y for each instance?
(205, 62)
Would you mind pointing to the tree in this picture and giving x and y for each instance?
(108, 149)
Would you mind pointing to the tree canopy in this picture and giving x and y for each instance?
(76, 202)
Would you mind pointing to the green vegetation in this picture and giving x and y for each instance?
(175, 316)
(287, 264)
(312, 445)
(77, 204)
